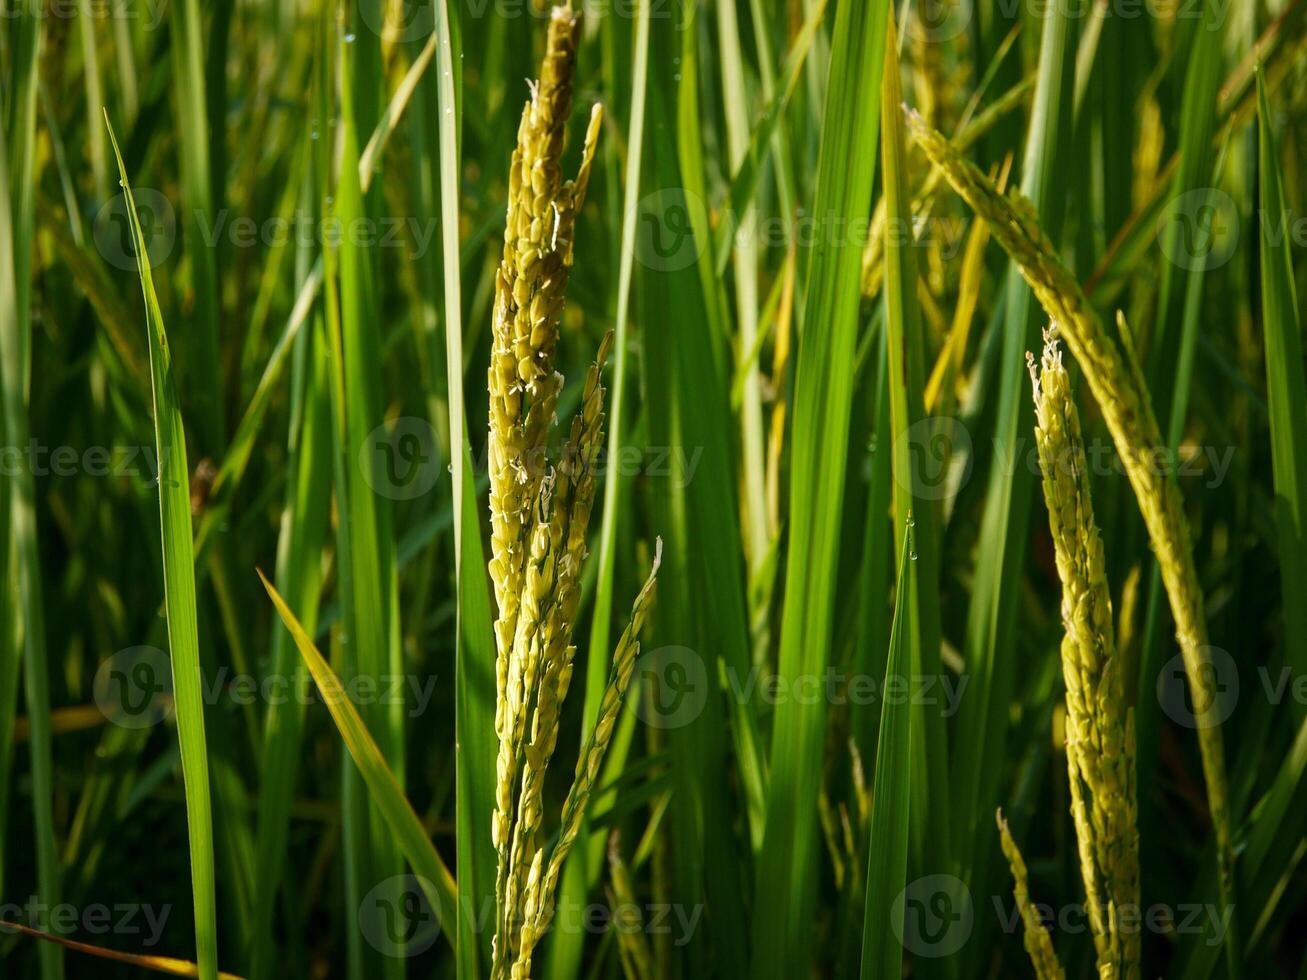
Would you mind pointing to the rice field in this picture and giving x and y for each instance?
(653, 489)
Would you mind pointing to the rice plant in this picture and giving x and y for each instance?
(314, 653)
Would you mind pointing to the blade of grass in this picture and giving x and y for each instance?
(1272, 834)
(299, 575)
(371, 544)
(887, 847)
(126, 64)
(395, 109)
(905, 350)
(735, 102)
(877, 565)
(1170, 367)
(475, 693)
(237, 457)
(434, 877)
(476, 748)
(748, 172)
(991, 615)
(601, 624)
(1198, 118)
(449, 157)
(22, 593)
(353, 803)
(694, 176)
(1286, 390)
(179, 598)
(364, 534)
(87, 19)
(156, 964)
(787, 863)
(687, 418)
(780, 140)
(706, 431)
(199, 357)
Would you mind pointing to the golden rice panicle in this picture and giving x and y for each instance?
(1100, 737)
(1037, 942)
(1117, 386)
(530, 526)
(523, 385)
(529, 295)
(544, 634)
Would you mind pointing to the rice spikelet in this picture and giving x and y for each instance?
(1099, 728)
(1035, 937)
(540, 888)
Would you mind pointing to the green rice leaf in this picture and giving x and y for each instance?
(21, 594)
(906, 378)
(787, 862)
(991, 634)
(1286, 390)
(179, 599)
(410, 836)
(887, 847)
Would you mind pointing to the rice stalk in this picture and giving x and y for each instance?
(1100, 729)
(632, 945)
(1035, 937)
(1117, 384)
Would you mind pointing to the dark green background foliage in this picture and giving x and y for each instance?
(840, 465)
